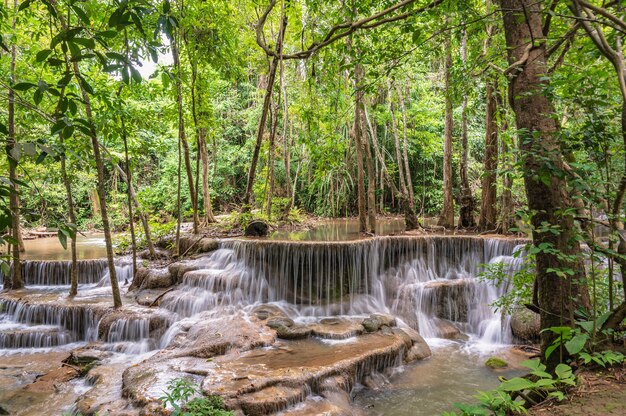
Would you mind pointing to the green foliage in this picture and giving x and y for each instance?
(584, 341)
(512, 396)
(180, 396)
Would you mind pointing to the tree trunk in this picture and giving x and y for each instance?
(559, 270)
(487, 219)
(266, 106)
(466, 210)
(117, 299)
(394, 129)
(446, 219)
(371, 174)
(182, 136)
(15, 282)
(405, 152)
(357, 133)
(410, 219)
(286, 140)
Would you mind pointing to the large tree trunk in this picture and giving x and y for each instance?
(559, 269)
(487, 219)
(182, 136)
(266, 106)
(271, 152)
(14, 282)
(466, 210)
(446, 218)
(286, 141)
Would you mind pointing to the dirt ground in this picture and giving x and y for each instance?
(599, 393)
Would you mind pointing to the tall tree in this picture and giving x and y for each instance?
(559, 274)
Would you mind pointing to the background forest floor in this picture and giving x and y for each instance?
(599, 393)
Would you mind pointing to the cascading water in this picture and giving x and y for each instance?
(48, 319)
(420, 279)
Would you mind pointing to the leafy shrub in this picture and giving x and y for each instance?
(179, 397)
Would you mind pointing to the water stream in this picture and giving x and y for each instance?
(428, 283)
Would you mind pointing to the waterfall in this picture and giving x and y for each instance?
(428, 282)
(423, 280)
(57, 272)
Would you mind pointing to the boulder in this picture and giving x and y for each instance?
(525, 324)
(276, 322)
(152, 278)
(257, 228)
(495, 362)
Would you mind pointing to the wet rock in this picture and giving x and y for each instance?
(155, 278)
(295, 332)
(448, 330)
(207, 245)
(495, 362)
(525, 324)
(215, 336)
(47, 382)
(148, 297)
(85, 356)
(156, 325)
(371, 324)
(337, 328)
(277, 322)
(270, 400)
(384, 319)
(257, 228)
(450, 298)
(420, 349)
(264, 312)
(159, 254)
(178, 269)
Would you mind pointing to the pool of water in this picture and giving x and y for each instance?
(87, 247)
(454, 373)
(340, 230)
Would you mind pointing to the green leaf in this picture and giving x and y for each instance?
(62, 238)
(42, 55)
(81, 15)
(563, 371)
(37, 96)
(24, 5)
(516, 384)
(576, 344)
(24, 86)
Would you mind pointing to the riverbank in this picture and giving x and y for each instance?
(600, 392)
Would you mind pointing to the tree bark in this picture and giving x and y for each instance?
(357, 133)
(446, 218)
(15, 282)
(466, 210)
(182, 136)
(266, 106)
(487, 219)
(560, 278)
